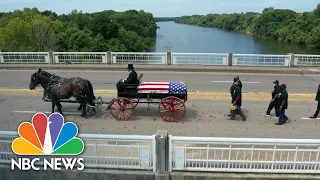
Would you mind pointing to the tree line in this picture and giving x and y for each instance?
(32, 30)
(279, 24)
(161, 19)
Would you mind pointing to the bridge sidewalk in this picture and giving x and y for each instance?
(172, 68)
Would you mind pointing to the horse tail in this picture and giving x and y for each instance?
(89, 91)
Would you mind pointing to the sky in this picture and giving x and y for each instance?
(160, 8)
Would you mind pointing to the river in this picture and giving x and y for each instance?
(173, 37)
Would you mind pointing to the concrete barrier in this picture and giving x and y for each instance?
(88, 174)
(102, 174)
(162, 68)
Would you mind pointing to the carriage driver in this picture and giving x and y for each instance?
(132, 79)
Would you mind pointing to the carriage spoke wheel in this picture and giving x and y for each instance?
(172, 109)
(122, 109)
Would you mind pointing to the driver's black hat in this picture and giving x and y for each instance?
(276, 82)
(130, 66)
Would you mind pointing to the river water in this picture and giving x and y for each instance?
(173, 37)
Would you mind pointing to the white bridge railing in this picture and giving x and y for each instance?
(200, 59)
(260, 60)
(138, 58)
(24, 58)
(306, 60)
(244, 155)
(80, 58)
(160, 152)
(165, 58)
(100, 151)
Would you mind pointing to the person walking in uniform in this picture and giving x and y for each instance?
(273, 103)
(232, 88)
(237, 100)
(318, 107)
(283, 104)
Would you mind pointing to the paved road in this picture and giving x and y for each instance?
(204, 118)
(218, 82)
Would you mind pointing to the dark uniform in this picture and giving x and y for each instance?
(274, 103)
(132, 79)
(237, 94)
(283, 97)
(318, 107)
(232, 88)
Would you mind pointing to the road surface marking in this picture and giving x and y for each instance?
(243, 82)
(111, 93)
(314, 70)
(33, 112)
(309, 118)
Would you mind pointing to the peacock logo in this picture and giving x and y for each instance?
(47, 136)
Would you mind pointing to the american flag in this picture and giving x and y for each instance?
(162, 87)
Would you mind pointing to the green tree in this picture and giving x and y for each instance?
(16, 36)
(32, 30)
(43, 35)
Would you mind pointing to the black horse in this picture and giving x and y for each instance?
(64, 88)
(56, 78)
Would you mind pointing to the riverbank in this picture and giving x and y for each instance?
(277, 24)
(214, 40)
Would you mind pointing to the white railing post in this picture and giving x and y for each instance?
(154, 155)
(290, 60)
(161, 138)
(230, 59)
(47, 58)
(109, 57)
(1, 58)
(168, 58)
(114, 58)
(55, 58)
(104, 58)
(170, 153)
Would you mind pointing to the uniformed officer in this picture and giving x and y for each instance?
(318, 107)
(283, 104)
(232, 88)
(237, 100)
(273, 102)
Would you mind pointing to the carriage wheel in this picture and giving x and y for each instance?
(172, 109)
(122, 109)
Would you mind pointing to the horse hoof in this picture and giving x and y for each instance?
(83, 115)
(79, 109)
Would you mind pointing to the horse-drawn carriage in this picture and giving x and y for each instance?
(170, 97)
